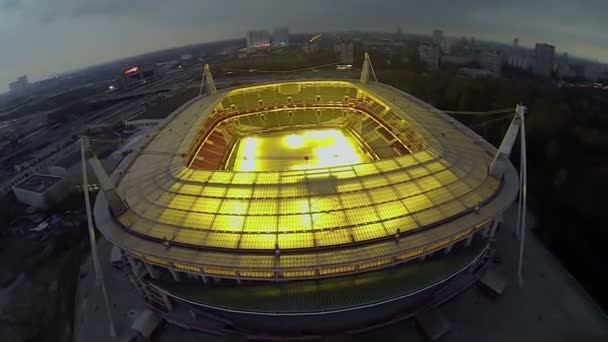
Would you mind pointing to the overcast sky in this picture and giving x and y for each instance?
(38, 37)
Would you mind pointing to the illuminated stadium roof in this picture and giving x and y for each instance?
(330, 173)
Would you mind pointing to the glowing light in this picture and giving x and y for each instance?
(294, 141)
(246, 158)
(298, 150)
(131, 70)
(314, 38)
(335, 149)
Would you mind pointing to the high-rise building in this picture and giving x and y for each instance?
(544, 59)
(491, 60)
(429, 54)
(446, 45)
(281, 36)
(20, 87)
(520, 60)
(437, 36)
(257, 38)
(516, 43)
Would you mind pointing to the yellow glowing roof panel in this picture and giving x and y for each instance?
(303, 188)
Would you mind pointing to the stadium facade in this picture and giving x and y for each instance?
(305, 206)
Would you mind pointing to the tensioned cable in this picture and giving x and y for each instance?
(490, 112)
(282, 71)
(490, 121)
(187, 155)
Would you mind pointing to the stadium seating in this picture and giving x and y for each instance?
(211, 154)
(271, 107)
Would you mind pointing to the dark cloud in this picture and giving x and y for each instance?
(47, 11)
(114, 7)
(58, 34)
(574, 19)
(9, 5)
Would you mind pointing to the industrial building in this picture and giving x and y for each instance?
(314, 205)
(41, 191)
(138, 75)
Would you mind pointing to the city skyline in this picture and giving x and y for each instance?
(42, 38)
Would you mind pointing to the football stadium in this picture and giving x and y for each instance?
(304, 206)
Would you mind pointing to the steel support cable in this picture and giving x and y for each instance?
(204, 155)
(281, 71)
(490, 121)
(186, 155)
(494, 112)
(490, 112)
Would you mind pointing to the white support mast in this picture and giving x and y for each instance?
(207, 79)
(367, 70)
(497, 169)
(117, 205)
(84, 145)
(522, 209)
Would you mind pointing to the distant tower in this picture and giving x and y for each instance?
(399, 31)
(544, 59)
(491, 60)
(437, 36)
(516, 43)
(20, 87)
